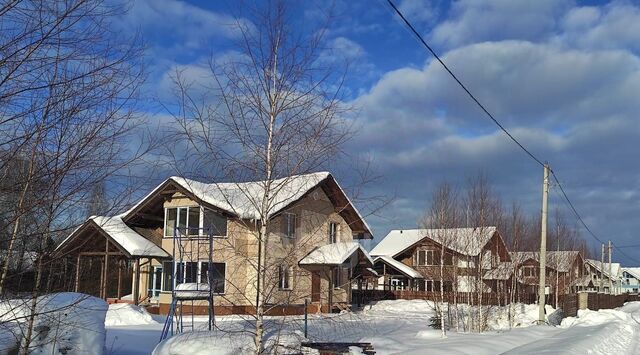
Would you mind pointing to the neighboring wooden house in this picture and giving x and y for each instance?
(410, 259)
(631, 279)
(565, 271)
(606, 278)
(313, 251)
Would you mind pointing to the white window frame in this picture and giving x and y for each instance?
(288, 277)
(287, 221)
(336, 279)
(333, 233)
(426, 257)
(198, 274)
(200, 224)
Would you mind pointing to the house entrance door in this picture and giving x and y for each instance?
(315, 287)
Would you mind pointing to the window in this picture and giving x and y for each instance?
(284, 277)
(171, 217)
(289, 225)
(194, 221)
(214, 223)
(186, 219)
(336, 277)
(431, 285)
(529, 271)
(192, 272)
(427, 257)
(333, 233)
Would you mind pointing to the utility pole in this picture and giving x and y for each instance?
(602, 269)
(557, 261)
(543, 245)
(610, 274)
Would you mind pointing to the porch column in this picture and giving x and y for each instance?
(77, 283)
(330, 290)
(119, 279)
(106, 270)
(136, 283)
(101, 289)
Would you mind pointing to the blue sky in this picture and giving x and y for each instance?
(563, 76)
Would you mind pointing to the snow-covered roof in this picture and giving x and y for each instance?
(467, 241)
(405, 269)
(128, 239)
(501, 272)
(557, 260)
(244, 199)
(616, 270)
(583, 281)
(333, 254)
(634, 271)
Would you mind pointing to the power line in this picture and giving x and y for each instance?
(529, 153)
(573, 209)
(424, 43)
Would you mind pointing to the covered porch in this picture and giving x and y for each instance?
(394, 275)
(334, 269)
(108, 257)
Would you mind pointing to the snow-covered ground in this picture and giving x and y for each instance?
(64, 323)
(393, 327)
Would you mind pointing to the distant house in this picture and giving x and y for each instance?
(410, 259)
(564, 271)
(607, 278)
(631, 279)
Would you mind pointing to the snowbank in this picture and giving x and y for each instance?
(524, 315)
(127, 314)
(411, 308)
(206, 343)
(65, 323)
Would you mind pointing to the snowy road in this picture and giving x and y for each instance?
(402, 327)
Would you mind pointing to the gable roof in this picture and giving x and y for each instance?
(405, 269)
(243, 199)
(333, 254)
(616, 270)
(557, 260)
(118, 232)
(466, 241)
(633, 271)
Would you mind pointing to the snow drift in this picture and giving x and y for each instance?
(65, 323)
(127, 314)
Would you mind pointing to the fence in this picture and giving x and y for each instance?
(487, 298)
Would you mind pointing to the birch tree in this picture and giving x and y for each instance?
(270, 113)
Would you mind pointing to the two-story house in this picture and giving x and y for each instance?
(311, 249)
(564, 271)
(631, 279)
(411, 259)
(606, 277)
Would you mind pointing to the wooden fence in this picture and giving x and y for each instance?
(487, 298)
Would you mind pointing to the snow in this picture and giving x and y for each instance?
(333, 254)
(202, 342)
(615, 268)
(402, 326)
(467, 241)
(405, 269)
(634, 271)
(125, 237)
(127, 314)
(558, 260)
(65, 323)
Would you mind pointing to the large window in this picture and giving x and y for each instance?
(214, 223)
(284, 277)
(529, 270)
(194, 221)
(333, 233)
(192, 272)
(336, 277)
(289, 225)
(427, 258)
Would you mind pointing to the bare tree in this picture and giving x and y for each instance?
(68, 85)
(269, 114)
(442, 218)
